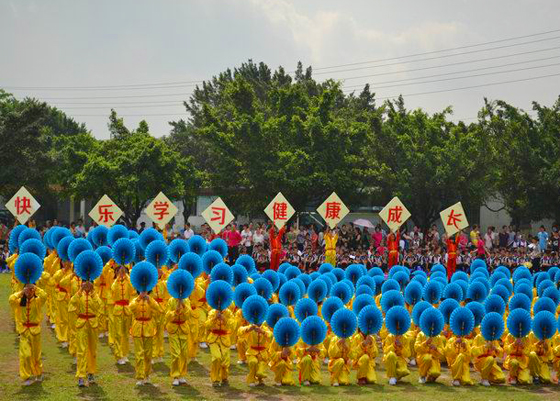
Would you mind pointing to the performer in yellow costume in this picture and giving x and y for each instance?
(160, 295)
(395, 354)
(429, 351)
(331, 239)
(178, 320)
(62, 297)
(121, 295)
(219, 341)
(258, 341)
(87, 307)
(366, 352)
(27, 306)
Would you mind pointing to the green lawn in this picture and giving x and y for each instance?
(118, 383)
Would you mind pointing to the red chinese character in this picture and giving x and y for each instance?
(23, 205)
(105, 213)
(161, 209)
(395, 214)
(333, 210)
(280, 211)
(453, 218)
(220, 213)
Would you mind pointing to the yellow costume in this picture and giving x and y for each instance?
(119, 314)
(87, 307)
(281, 364)
(28, 326)
(199, 307)
(330, 248)
(539, 359)
(517, 361)
(218, 327)
(365, 349)
(258, 341)
(395, 351)
(178, 322)
(62, 297)
(103, 288)
(458, 350)
(486, 356)
(310, 364)
(340, 361)
(429, 351)
(143, 330)
(161, 296)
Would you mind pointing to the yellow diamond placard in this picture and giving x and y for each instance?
(333, 210)
(105, 212)
(279, 210)
(454, 219)
(394, 214)
(22, 205)
(161, 210)
(217, 215)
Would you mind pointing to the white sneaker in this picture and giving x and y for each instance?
(53, 326)
(203, 345)
(101, 335)
(306, 383)
(64, 345)
(326, 361)
(485, 383)
(422, 380)
(335, 384)
(28, 382)
(182, 380)
(392, 381)
(140, 383)
(412, 362)
(513, 382)
(252, 384)
(121, 361)
(456, 383)
(278, 384)
(241, 362)
(175, 382)
(233, 347)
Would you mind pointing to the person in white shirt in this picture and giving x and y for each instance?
(247, 239)
(488, 240)
(188, 233)
(258, 237)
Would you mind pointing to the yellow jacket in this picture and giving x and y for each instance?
(219, 330)
(105, 280)
(143, 313)
(257, 343)
(63, 287)
(121, 295)
(87, 307)
(28, 317)
(178, 321)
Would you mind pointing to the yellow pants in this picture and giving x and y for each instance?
(395, 366)
(460, 370)
(51, 308)
(340, 371)
(72, 334)
(330, 257)
(158, 338)
(257, 369)
(429, 366)
(86, 351)
(219, 370)
(283, 372)
(366, 369)
(539, 368)
(30, 363)
(519, 372)
(310, 370)
(102, 320)
(61, 322)
(193, 340)
(179, 350)
(489, 370)
(143, 348)
(241, 349)
(121, 328)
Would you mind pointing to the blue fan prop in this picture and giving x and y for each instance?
(492, 326)
(198, 245)
(143, 276)
(78, 246)
(124, 251)
(242, 292)
(192, 263)
(35, 246)
(519, 323)
(263, 287)
(177, 248)
(313, 330)
(397, 320)
(117, 232)
(209, 260)
(344, 323)
(220, 246)
(219, 295)
(544, 325)
(105, 253)
(370, 320)
(289, 293)
(157, 253)
(180, 284)
(275, 313)
(222, 271)
(461, 321)
(286, 332)
(431, 322)
(88, 265)
(28, 268)
(304, 308)
(149, 235)
(255, 309)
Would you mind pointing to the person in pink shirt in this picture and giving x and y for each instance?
(377, 237)
(233, 239)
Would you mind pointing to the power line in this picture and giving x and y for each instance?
(164, 85)
(378, 98)
(343, 79)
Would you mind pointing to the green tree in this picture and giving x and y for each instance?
(429, 162)
(131, 169)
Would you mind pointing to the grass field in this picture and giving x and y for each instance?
(118, 383)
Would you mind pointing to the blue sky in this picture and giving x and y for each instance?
(64, 43)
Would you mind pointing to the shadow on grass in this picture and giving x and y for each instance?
(35, 391)
(93, 392)
(150, 392)
(186, 391)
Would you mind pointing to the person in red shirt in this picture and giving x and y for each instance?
(452, 254)
(233, 239)
(393, 246)
(275, 238)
